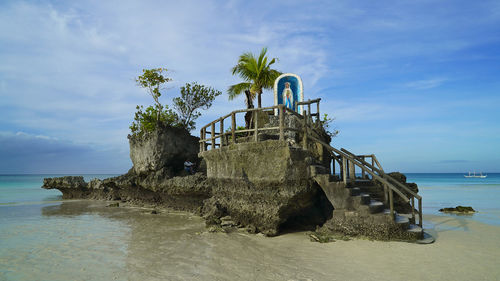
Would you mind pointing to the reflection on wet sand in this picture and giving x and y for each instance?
(175, 246)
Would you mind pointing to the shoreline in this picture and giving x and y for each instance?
(177, 245)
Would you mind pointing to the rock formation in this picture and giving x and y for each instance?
(266, 186)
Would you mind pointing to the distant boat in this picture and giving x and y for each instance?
(481, 176)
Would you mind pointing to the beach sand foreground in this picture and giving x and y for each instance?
(88, 241)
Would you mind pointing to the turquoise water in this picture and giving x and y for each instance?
(450, 190)
(43, 237)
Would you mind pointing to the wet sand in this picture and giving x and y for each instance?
(84, 240)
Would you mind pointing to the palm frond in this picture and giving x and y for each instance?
(255, 71)
(235, 90)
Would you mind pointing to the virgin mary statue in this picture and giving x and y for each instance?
(288, 96)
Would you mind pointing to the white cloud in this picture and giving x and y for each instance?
(426, 84)
(67, 67)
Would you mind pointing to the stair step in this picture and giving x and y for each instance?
(426, 239)
(317, 170)
(363, 182)
(414, 228)
(401, 219)
(376, 206)
(354, 191)
(365, 198)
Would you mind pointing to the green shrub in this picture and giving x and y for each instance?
(147, 120)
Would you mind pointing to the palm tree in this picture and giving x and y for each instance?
(257, 74)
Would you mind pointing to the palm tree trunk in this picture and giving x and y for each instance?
(248, 115)
(259, 100)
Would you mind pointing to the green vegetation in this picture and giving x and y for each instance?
(326, 123)
(152, 80)
(237, 134)
(146, 120)
(257, 74)
(193, 97)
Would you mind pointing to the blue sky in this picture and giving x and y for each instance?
(414, 82)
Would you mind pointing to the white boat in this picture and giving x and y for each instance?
(481, 176)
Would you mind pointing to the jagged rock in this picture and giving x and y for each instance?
(180, 193)
(458, 209)
(114, 205)
(265, 186)
(164, 149)
(75, 182)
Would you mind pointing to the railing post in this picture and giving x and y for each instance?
(256, 124)
(304, 139)
(202, 142)
(309, 108)
(333, 166)
(413, 208)
(391, 202)
(221, 132)
(362, 170)
(373, 163)
(352, 172)
(233, 127)
(282, 122)
(344, 169)
(212, 133)
(420, 212)
(386, 197)
(317, 112)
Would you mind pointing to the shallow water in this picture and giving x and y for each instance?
(450, 190)
(45, 238)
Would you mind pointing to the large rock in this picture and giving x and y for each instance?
(70, 186)
(265, 186)
(180, 193)
(75, 182)
(164, 150)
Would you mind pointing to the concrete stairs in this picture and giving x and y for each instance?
(361, 201)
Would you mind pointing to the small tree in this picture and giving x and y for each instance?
(326, 123)
(152, 80)
(193, 97)
(146, 120)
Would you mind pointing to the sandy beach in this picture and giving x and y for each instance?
(88, 241)
(464, 250)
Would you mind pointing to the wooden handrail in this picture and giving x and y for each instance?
(309, 101)
(382, 177)
(381, 172)
(342, 156)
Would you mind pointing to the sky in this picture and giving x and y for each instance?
(414, 82)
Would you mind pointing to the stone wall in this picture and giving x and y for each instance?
(263, 185)
(270, 160)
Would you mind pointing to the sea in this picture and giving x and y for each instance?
(43, 237)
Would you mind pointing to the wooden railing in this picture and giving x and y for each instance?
(218, 137)
(347, 161)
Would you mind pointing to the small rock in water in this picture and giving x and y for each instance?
(114, 205)
(321, 237)
(458, 209)
(215, 229)
(154, 212)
